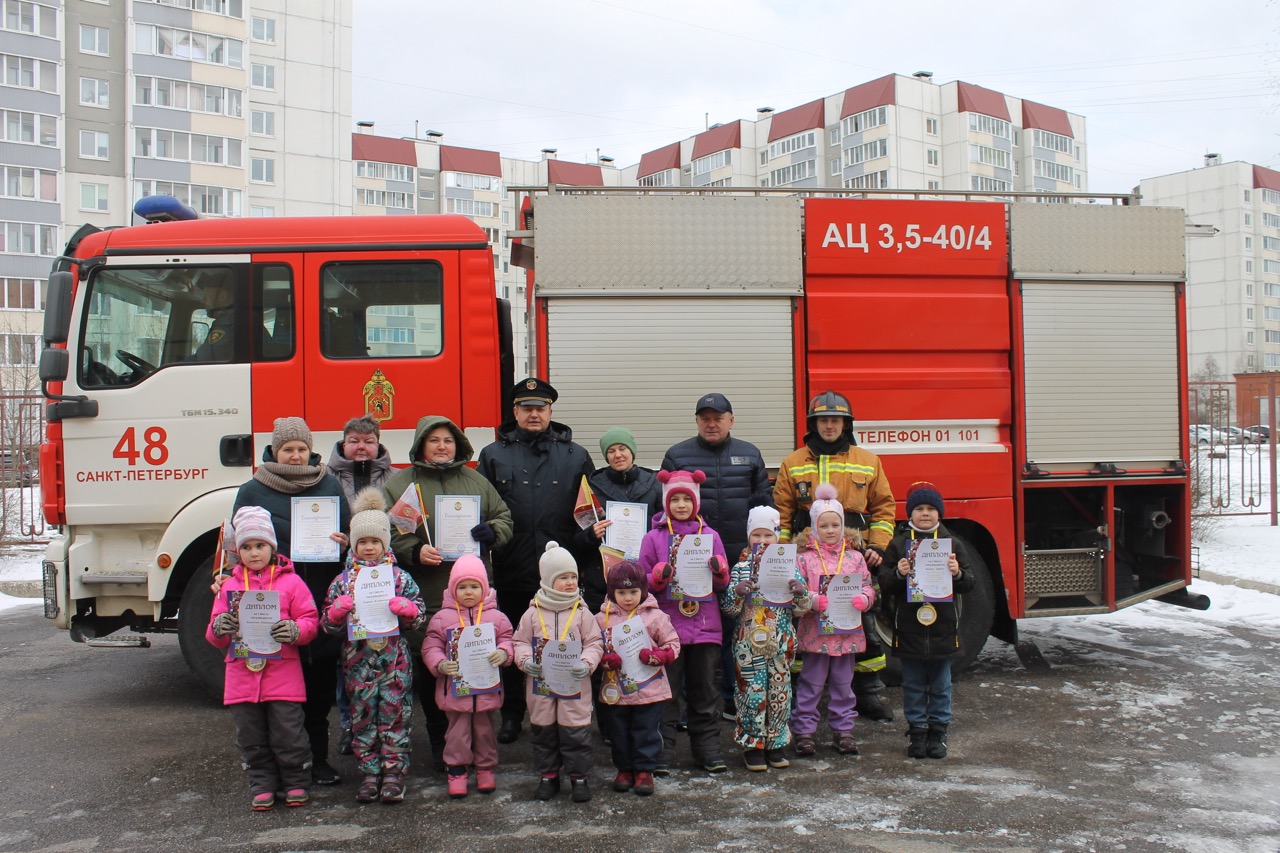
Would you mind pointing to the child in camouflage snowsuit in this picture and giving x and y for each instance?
(378, 671)
(764, 647)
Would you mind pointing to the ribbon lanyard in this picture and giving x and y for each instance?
(839, 565)
(271, 580)
(608, 609)
(567, 625)
(479, 613)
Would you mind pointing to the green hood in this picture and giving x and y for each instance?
(425, 426)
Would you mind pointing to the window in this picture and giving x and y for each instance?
(1271, 359)
(24, 17)
(208, 48)
(833, 167)
(28, 73)
(711, 162)
(19, 350)
(262, 210)
(1246, 197)
(1271, 244)
(1272, 289)
(871, 181)
(461, 180)
(262, 122)
(94, 144)
(93, 197)
(1248, 220)
(665, 178)
(381, 310)
(207, 200)
(1248, 290)
(263, 76)
(384, 198)
(228, 8)
(95, 92)
(1272, 336)
(1248, 313)
(1248, 266)
(1272, 313)
(989, 156)
(1054, 171)
(95, 40)
(394, 172)
(933, 157)
(989, 124)
(22, 127)
(22, 294)
(262, 170)
(264, 29)
(983, 184)
(799, 142)
(27, 238)
(1248, 243)
(833, 136)
(874, 117)
(189, 147)
(795, 172)
(29, 182)
(193, 97)
(471, 207)
(935, 185)
(1270, 197)
(1052, 141)
(867, 151)
(1248, 337)
(1271, 220)
(1271, 266)
(931, 126)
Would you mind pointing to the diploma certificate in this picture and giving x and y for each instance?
(456, 515)
(471, 647)
(692, 579)
(841, 617)
(372, 588)
(313, 521)
(258, 610)
(628, 640)
(558, 657)
(777, 570)
(630, 523)
(931, 580)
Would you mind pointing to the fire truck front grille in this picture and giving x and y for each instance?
(1066, 572)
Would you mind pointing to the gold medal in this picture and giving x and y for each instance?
(759, 637)
(378, 644)
(690, 608)
(927, 614)
(256, 664)
(611, 693)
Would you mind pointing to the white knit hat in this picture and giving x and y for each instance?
(763, 518)
(369, 519)
(556, 561)
(253, 523)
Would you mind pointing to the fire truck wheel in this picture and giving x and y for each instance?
(977, 609)
(204, 661)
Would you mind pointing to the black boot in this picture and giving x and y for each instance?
(935, 745)
(869, 690)
(916, 747)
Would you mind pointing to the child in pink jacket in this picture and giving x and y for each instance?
(471, 738)
(558, 622)
(265, 694)
(635, 721)
(828, 650)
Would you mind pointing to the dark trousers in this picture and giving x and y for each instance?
(273, 745)
(696, 668)
(562, 748)
(513, 602)
(636, 735)
(320, 675)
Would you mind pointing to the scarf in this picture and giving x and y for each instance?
(289, 479)
(820, 447)
(555, 600)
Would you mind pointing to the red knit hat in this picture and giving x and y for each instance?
(686, 482)
(923, 492)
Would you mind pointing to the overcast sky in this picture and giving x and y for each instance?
(1160, 83)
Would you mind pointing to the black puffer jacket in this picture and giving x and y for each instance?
(637, 485)
(910, 638)
(537, 475)
(736, 480)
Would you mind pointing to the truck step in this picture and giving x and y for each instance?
(123, 641)
(90, 578)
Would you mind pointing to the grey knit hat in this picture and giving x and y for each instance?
(369, 519)
(290, 429)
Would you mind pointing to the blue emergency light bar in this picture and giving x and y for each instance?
(163, 208)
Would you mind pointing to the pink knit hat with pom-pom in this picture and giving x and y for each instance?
(824, 500)
(686, 482)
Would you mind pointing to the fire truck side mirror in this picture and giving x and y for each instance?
(53, 364)
(57, 308)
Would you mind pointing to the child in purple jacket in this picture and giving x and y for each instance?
(696, 618)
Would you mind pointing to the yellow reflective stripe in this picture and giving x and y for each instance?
(804, 470)
(851, 468)
(824, 469)
(784, 534)
(886, 526)
(870, 664)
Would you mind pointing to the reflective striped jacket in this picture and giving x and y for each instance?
(860, 485)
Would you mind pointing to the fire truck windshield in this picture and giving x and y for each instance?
(139, 320)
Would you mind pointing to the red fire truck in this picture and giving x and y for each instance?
(1029, 359)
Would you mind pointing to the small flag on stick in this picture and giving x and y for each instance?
(406, 514)
(610, 557)
(587, 511)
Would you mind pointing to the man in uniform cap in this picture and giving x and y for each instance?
(536, 468)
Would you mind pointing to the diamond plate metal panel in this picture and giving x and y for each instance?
(1086, 239)
(679, 245)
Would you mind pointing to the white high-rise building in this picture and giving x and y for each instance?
(1233, 275)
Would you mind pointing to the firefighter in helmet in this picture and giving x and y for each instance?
(829, 455)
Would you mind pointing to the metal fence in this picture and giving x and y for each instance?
(1233, 447)
(21, 432)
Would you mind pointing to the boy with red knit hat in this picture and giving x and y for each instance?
(925, 633)
(694, 613)
(635, 632)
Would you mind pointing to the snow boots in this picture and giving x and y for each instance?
(935, 745)
(916, 746)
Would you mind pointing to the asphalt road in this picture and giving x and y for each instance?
(1138, 741)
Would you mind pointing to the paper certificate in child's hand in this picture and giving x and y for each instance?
(474, 644)
(931, 580)
(372, 588)
(777, 570)
(693, 567)
(558, 658)
(258, 610)
(841, 617)
(628, 640)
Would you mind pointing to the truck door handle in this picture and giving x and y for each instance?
(236, 451)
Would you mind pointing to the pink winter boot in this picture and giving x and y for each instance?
(485, 783)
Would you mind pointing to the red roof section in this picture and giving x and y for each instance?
(797, 119)
(667, 157)
(876, 93)
(574, 174)
(381, 149)
(470, 160)
(720, 138)
(975, 99)
(1042, 117)
(1266, 179)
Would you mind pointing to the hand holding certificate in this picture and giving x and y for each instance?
(456, 515)
(258, 610)
(628, 640)
(372, 588)
(931, 580)
(777, 570)
(558, 659)
(841, 616)
(314, 520)
(473, 645)
(693, 567)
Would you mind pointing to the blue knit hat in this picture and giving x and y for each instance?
(922, 492)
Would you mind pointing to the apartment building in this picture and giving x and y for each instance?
(1233, 274)
(237, 107)
(895, 132)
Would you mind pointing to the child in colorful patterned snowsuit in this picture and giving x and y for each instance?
(378, 672)
(764, 647)
(265, 695)
(561, 726)
(828, 655)
(471, 738)
(634, 721)
(697, 622)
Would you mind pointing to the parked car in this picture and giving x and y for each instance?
(1258, 433)
(1235, 435)
(18, 469)
(1204, 435)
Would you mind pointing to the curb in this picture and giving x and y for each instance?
(22, 589)
(1228, 580)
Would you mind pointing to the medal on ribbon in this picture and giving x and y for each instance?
(690, 608)
(611, 693)
(256, 664)
(927, 614)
